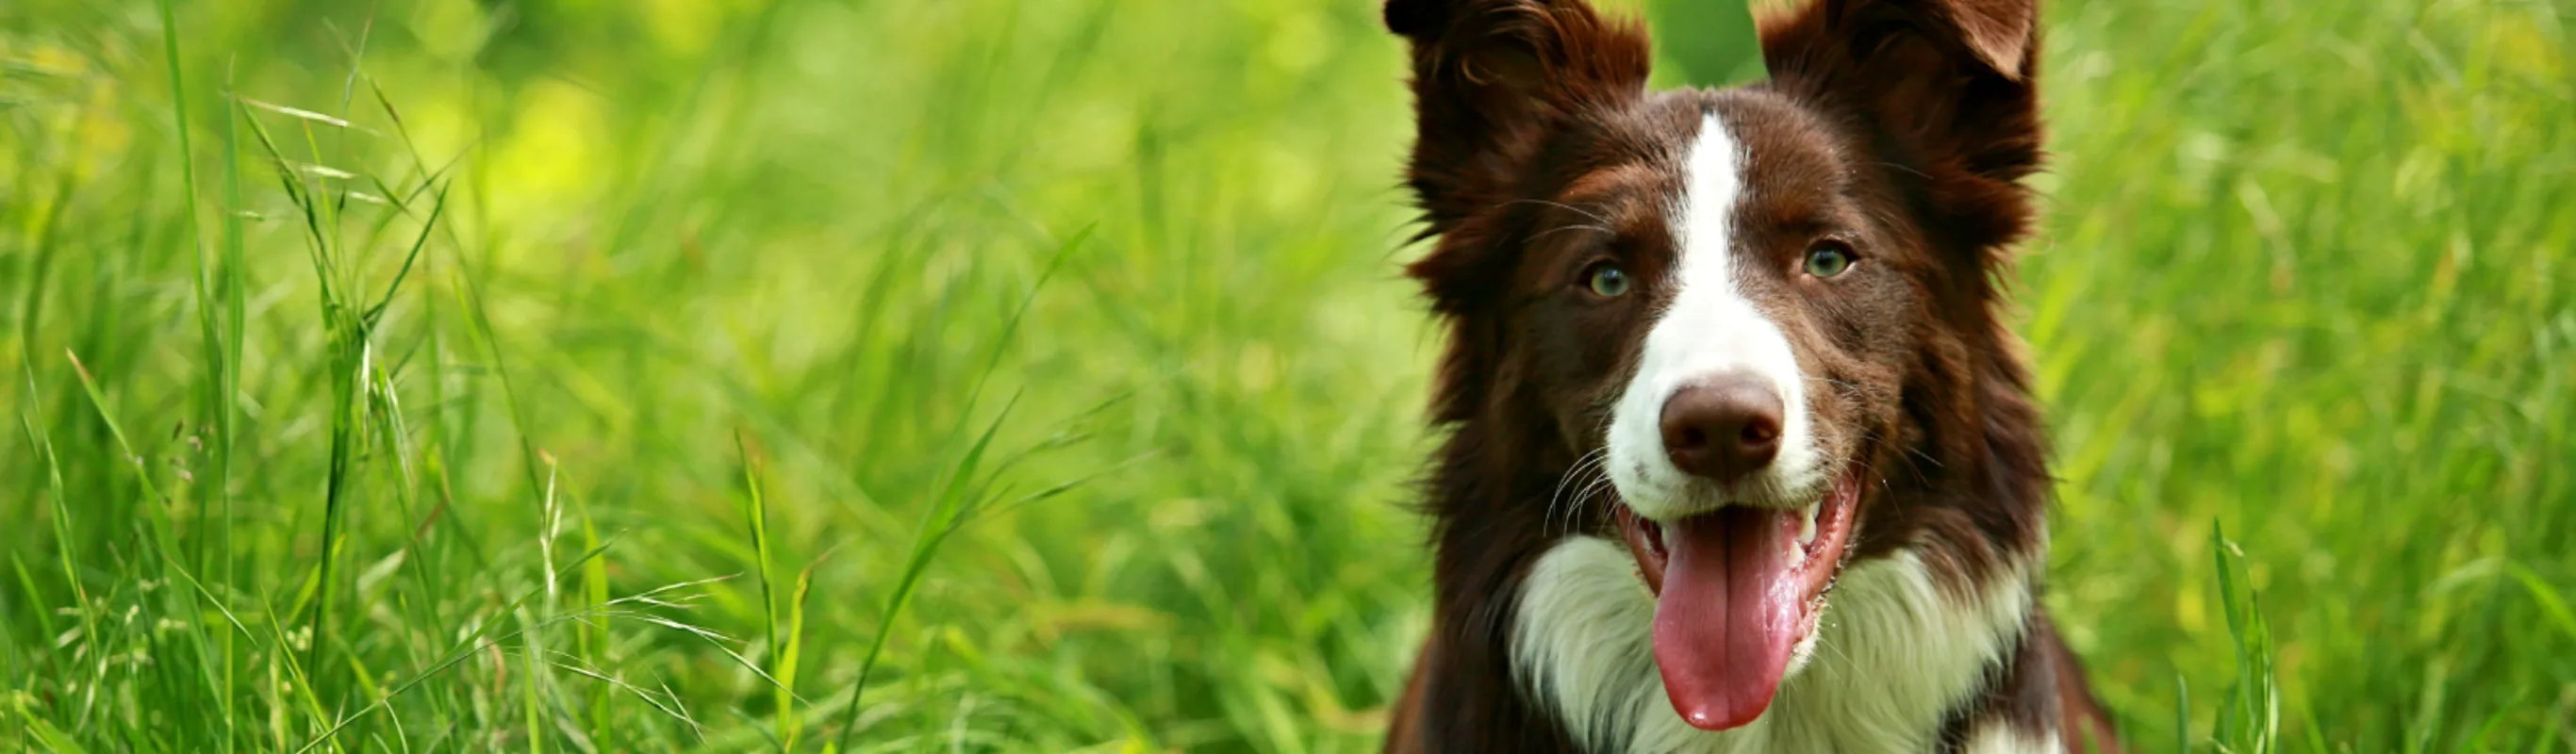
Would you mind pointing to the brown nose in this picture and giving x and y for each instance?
(1723, 428)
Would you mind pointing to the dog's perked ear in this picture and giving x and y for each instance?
(1490, 77)
(1947, 89)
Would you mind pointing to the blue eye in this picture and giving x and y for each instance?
(1829, 259)
(1606, 280)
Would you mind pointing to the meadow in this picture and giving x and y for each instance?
(996, 375)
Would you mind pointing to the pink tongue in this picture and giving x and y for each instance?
(1727, 617)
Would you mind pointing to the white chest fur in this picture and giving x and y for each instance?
(1892, 655)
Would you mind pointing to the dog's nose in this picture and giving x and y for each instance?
(1723, 428)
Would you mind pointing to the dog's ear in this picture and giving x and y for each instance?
(1490, 77)
(1945, 86)
(1996, 33)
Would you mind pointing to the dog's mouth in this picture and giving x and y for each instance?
(1736, 590)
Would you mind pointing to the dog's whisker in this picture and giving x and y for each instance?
(1583, 465)
(1588, 497)
(1596, 217)
(1593, 228)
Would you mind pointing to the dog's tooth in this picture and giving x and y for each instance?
(1807, 525)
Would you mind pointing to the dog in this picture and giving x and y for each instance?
(1740, 455)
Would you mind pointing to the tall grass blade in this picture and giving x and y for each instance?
(755, 514)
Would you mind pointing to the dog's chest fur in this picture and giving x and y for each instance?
(1897, 655)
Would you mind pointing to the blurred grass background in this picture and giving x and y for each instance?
(568, 375)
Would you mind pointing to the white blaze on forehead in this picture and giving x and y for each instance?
(1710, 328)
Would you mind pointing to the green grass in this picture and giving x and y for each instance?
(437, 375)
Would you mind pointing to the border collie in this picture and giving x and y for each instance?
(1740, 454)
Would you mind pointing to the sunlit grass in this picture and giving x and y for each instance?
(995, 375)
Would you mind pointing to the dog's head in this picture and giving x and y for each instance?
(1759, 313)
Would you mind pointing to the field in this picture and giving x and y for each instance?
(995, 375)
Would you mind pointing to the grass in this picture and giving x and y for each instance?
(897, 375)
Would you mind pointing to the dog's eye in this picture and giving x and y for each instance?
(1606, 280)
(1828, 259)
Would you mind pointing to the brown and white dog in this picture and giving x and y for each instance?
(1741, 456)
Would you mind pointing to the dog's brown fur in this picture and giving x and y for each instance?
(1902, 127)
